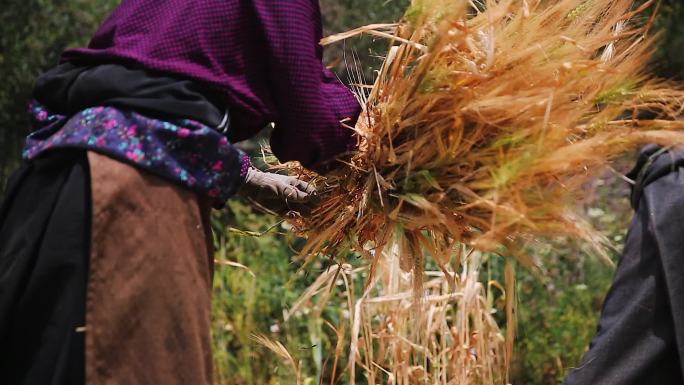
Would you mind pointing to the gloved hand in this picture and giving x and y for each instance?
(276, 192)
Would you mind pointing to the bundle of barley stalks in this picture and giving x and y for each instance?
(484, 123)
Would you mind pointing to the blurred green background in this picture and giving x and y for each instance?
(557, 314)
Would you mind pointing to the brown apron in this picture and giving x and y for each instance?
(149, 292)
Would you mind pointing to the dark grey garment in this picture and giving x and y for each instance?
(640, 338)
(44, 249)
(69, 88)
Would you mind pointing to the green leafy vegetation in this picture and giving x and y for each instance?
(33, 33)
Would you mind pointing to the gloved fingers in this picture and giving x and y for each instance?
(273, 188)
(298, 183)
(309, 188)
(283, 186)
(292, 193)
(304, 186)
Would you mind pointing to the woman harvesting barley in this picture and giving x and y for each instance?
(105, 248)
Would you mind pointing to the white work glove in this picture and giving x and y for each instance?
(287, 188)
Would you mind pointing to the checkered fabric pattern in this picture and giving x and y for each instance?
(263, 55)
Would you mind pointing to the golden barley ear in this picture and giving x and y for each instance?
(280, 350)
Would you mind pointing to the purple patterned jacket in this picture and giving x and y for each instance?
(263, 55)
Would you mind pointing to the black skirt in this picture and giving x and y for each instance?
(44, 249)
